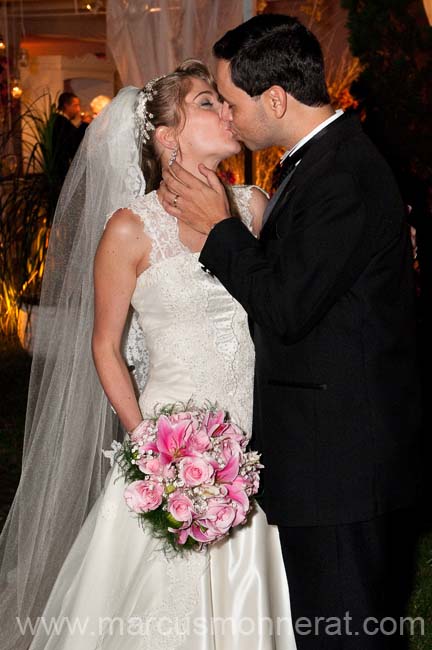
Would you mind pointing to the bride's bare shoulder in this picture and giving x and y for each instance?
(124, 223)
(124, 238)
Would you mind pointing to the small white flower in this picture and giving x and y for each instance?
(110, 453)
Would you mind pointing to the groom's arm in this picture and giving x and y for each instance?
(291, 290)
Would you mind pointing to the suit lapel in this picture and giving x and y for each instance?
(274, 208)
(341, 129)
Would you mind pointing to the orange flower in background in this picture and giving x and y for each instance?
(346, 100)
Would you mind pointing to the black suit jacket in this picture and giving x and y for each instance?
(329, 289)
(66, 140)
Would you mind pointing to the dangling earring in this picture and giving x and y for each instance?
(173, 156)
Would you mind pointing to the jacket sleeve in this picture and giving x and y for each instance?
(317, 261)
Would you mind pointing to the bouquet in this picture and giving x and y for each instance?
(189, 474)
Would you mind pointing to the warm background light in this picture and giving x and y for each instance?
(98, 103)
(16, 90)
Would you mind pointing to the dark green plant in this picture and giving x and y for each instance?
(38, 143)
(393, 42)
(27, 205)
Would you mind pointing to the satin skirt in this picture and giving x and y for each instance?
(118, 590)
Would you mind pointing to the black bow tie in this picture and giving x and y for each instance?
(289, 163)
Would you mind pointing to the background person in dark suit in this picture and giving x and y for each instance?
(330, 294)
(67, 135)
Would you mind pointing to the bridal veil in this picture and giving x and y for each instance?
(69, 420)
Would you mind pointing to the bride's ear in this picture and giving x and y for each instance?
(166, 137)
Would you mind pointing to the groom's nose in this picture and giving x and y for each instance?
(226, 112)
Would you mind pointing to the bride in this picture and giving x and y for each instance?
(71, 550)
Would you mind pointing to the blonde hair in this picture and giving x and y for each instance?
(167, 107)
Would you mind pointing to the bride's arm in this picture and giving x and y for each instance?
(257, 206)
(120, 257)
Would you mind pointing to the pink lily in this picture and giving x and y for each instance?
(200, 535)
(237, 492)
(172, 439)
(230, 472)
(182, 534)
(215, 423)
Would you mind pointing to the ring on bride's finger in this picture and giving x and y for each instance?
(175, 200)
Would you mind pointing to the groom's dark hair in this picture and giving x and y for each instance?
(275, 50)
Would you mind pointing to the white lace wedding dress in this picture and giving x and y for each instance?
(117, 590)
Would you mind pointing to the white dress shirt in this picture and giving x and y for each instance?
(310, 135)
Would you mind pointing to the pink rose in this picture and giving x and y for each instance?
(220, 517)
(229, 448)
(199, 442)
(142, 496)
(180, 507)
(195, 471)
(150, 466)
(154, 467)
(141, 431)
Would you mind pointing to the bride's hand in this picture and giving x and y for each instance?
(199, 204)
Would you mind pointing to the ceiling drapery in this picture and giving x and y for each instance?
(148, 39)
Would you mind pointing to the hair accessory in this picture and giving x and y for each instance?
(143, 119)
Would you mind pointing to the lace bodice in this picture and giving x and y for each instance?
(116, 584)
(196, 333)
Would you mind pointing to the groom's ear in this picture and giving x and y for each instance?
(166, 136)
(275, 99)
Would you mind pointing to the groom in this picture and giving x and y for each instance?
(328, 288)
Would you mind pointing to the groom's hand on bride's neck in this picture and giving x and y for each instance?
(200, 204)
